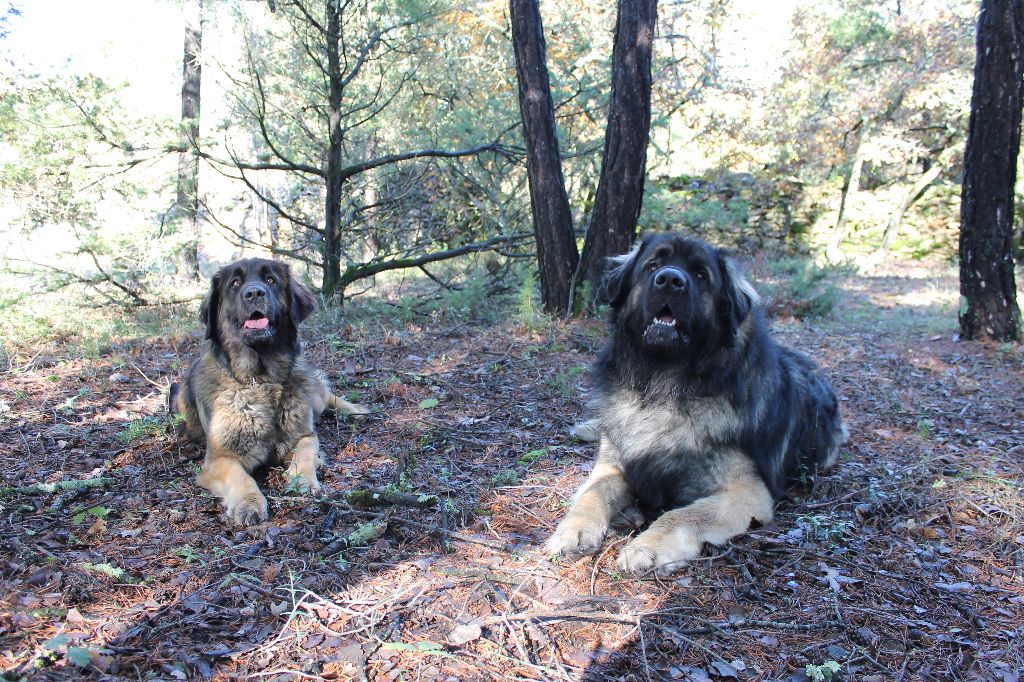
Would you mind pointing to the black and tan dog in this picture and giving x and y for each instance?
(703, 418)
(252, 397)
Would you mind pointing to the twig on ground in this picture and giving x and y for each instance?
(162, 387)
(373, 497)
(57, 486)
(434, 530)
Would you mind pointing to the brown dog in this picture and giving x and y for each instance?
(252, 397)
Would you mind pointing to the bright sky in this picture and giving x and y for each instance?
(755, 37)
(137, 41)
(140, 42)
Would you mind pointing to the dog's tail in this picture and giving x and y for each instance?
(172, 424)
(171, 403)
(587, 431)
(345, 407)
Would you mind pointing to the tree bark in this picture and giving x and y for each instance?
(333, 173)
(187, 199)
(915, 192)
(987, 287)
(620, 190)
(851, 185)
(557, 255)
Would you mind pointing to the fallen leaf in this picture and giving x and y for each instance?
(954, 587)
(724, 670)
(75, 617)
(467, 632)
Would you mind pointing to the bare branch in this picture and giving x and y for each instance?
(364, 270)
(370, 164)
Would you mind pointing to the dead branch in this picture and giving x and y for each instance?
(363, 270)
(55, 487)
(374, 497)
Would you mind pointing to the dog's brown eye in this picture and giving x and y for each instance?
(650, 267)
(235, 282)
(271, 280)
(701, 275)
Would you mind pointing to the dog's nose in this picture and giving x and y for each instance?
(670, 279)
(254, 292)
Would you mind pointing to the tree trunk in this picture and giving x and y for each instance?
(915, 192)
(187, 199)
(620, 190)
(989, 294)
(334, 179)
(851, 185)
(557, 255)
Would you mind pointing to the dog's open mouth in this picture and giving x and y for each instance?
(665, 318)
(664, 331)
(257, 321)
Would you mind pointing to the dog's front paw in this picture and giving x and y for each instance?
(303, 485)
(639, 558)
(576, 536)
(249, 510)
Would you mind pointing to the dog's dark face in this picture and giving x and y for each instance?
(673, 295)
(255, 302)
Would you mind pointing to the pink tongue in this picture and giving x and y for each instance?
(257, 324)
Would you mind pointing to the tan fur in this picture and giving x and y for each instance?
(678, 535)
(255, 403)
(588, 431)
(596, 503)
(245, 425)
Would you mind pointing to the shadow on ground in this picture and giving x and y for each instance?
(904, 562)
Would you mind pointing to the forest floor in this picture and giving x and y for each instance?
(906, 562)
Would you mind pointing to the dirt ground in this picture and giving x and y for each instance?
(904, 563)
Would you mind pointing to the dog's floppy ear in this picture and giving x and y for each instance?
(301, 302)
(209, 309)
(739, 295)
(615, 286)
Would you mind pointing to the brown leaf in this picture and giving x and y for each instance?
(467, 632)
(75, 617)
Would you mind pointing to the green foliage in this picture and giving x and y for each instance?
(110, 571)
(365, 533)
(98, 512)
(505, 477)
(803, 288)
(692, 205)
(140, 428)
(532, 456)
(565, 381)
(825, 527)
(528, 308)
(426, 648)
(823, 672)
(858, 27)
(80, 204)
(67, 407)
(80, 656)
(189, 554)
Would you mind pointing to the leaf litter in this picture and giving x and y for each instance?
(873, 568)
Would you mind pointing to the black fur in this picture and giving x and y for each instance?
(711, 363)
